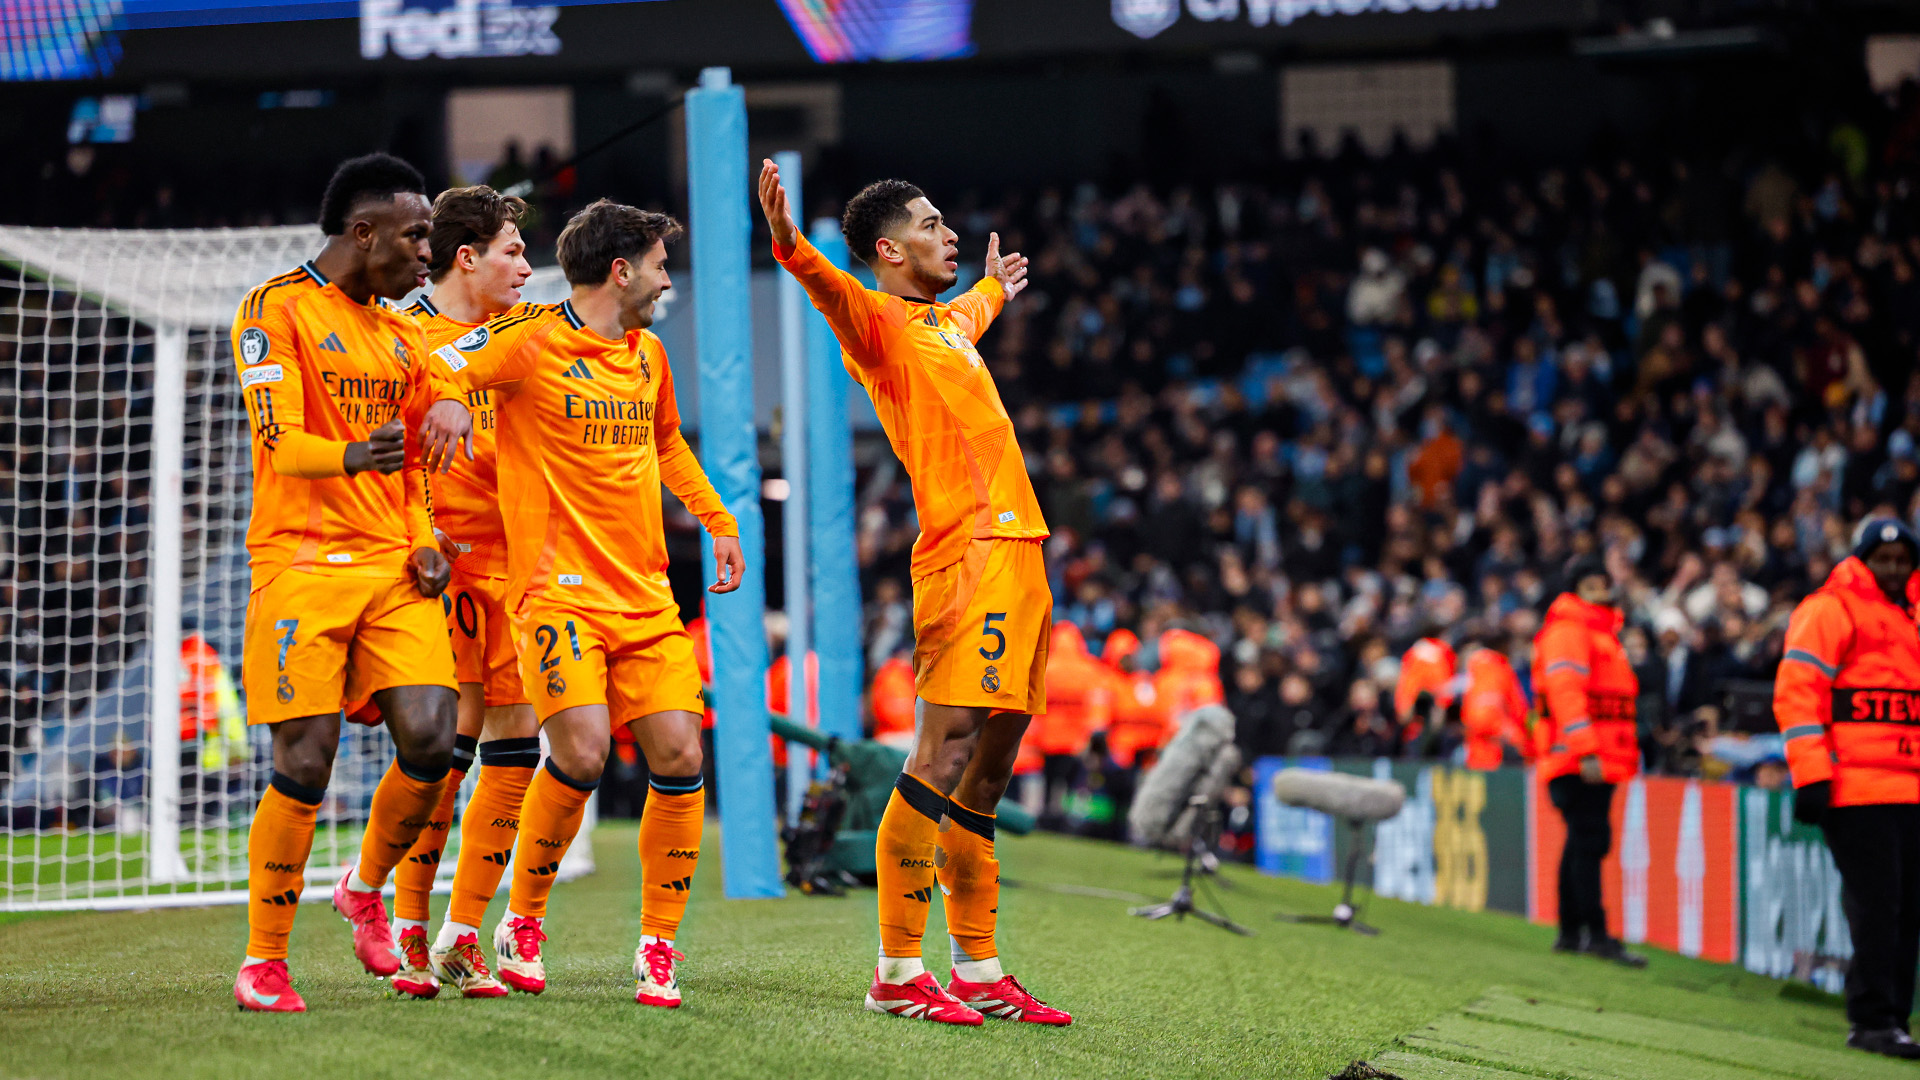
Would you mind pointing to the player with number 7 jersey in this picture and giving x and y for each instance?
(982, 608)
(588, 431)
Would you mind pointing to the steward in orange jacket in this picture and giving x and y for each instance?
(1847, 699)
(1139, 724)
(1586, 689)
(1189, 674)
(1079, 695)
(1426, 677)
(1493, 709)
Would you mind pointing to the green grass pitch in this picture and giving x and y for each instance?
(774, 990)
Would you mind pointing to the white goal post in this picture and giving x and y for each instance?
(125, 489)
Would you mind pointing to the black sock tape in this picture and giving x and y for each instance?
(577, 785)
(971, 820)
(512, 753)
(677, 785)
(463, 751)
(298, 792)
(421, 773)
(930, 803)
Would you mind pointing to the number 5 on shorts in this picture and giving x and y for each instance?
(998, 635)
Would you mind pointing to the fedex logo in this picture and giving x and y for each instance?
(469, 28)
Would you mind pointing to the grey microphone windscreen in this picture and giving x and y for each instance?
(1355, 798)
(1212, 785)
(1166, 787)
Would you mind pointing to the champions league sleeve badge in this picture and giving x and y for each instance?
(475, 339)
(255, 346)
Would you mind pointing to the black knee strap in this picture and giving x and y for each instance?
(577, 785)
(512, 753)
(676, 785)
(421, 772)
(298, 792)
(463, 752)
(971, 820)
(930, 803)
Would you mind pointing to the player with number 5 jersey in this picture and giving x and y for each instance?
(982, 609)
(588, 431)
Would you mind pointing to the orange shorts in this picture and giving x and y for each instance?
(316, 642)
(636, 664)
(981, 628)
(482, 636)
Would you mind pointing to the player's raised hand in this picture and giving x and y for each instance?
(729, 562)
(773, 202)
(447, 426)
(1009, 270)
(430, 571)
(385, 450)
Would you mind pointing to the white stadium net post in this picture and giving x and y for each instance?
(128, 775)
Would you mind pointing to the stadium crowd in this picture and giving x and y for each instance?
(1306, 423)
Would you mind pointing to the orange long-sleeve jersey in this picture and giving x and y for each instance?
(937, 402)
(1493, 709)
(466, 499)
(319, 371)
(589, 430)
(1847, 693)
(1587, 691)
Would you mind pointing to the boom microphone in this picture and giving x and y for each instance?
(1188, 764)
(1351, 798)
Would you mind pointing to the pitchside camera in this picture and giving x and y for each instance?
(1356, 800)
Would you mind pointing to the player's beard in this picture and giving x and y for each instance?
(934, 276)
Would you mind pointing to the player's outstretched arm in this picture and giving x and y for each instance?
(1005, 278)
(852, 311)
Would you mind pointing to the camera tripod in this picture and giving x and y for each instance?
(1199, 851)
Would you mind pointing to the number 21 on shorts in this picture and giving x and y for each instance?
(547, 637)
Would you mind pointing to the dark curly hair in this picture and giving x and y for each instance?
(468, 217)
(375, 176)
(880, 208)
(605, 231)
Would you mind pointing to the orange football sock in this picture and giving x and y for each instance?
(277, 850)
(402, 806)
(413, 879)
(490, 825)
(903, 863)
(970, 878)
(669, 851)
(549, 818)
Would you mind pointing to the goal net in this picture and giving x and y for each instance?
(128, 775)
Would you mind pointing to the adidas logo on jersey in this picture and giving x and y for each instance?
(578, 370)
(332, 344)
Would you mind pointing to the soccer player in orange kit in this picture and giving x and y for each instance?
(477, 267)
(346, 571)
(589, 430)
(982, 606)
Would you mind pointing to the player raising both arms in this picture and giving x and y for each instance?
(346, 570)
(589, 430)
(477, 268)
(982, 610)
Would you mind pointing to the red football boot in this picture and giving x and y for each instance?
(1006, 999)
(919, 998)
(372, 933)
(265, 987)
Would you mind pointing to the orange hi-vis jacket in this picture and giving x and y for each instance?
(318, 372)
(466, 499)
(1428, 667)
(589, 430)
(937, 402)
(1493, 709)
(891, 699)
(1189, 674)
(1847, 692)
(1587, 691)
(1079, 694)
(1139, 723)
